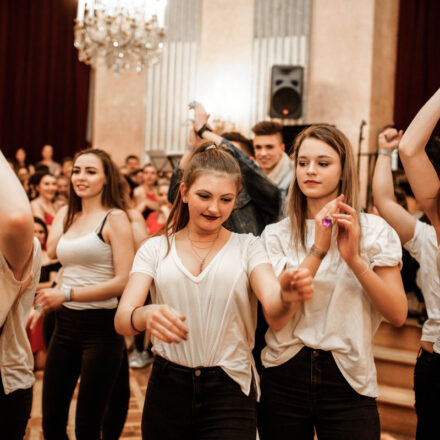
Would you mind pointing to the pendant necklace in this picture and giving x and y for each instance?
(202, 259)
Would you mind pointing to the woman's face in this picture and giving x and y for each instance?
(318, 169)
(20, 155)
(40, 233)
(210, 201)
(149, 175)
(63, 186)
(162, 194)
(47, 152)
(47, 187)
(66, 168)
(88, 178)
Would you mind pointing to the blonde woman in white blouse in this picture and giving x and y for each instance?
(205, 282)
(319, 369)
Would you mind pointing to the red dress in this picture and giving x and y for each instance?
(152, 224)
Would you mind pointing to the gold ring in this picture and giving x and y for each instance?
(38, 308)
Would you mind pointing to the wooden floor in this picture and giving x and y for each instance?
(132, 429)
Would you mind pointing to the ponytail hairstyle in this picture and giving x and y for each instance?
(206, 159)
(113, 195)
(349, 183)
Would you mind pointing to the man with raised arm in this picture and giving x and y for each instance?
(20, 263)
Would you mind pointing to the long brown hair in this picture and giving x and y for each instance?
(349, 184)
(206, 159)
(112, 194)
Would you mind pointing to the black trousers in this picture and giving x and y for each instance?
(308, 392)
(196, 404)
(427, 393)
(15, 410)
(84, 344)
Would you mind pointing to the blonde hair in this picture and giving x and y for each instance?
(349, 183)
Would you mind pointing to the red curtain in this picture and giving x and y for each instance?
(43, 86)
(418, 58)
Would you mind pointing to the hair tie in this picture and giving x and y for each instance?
(211, 146)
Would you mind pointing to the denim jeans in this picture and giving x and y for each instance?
(15, 410)
(84, 344)
(427, 391)
(308, 392)
(196, 404)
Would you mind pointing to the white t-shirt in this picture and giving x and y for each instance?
(16, 360)
(219, 305)
(423, 247)
(340, 316)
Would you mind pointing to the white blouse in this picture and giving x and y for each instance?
(423, 247)
(219, 305)
(340, 316)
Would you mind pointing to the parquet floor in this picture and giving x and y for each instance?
(132, 429)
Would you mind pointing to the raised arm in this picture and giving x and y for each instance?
(16, 222)
(383, 188)
(418, 168)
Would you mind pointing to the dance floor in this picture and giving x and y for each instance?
(132, 429)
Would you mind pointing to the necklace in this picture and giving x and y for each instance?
(193, 248)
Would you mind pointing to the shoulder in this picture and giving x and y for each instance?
(61, 213)
(157, 242)
(281, 228)
(372, 222)
(118, 221)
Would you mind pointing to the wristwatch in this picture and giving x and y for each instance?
(67, 293)
(203, 128)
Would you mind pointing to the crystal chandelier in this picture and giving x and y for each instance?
(126, 34)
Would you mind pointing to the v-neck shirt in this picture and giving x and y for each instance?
(219, 305)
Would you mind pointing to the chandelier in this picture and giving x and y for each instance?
(126, 34)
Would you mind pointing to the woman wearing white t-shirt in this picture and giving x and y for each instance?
(421, 242)
(425, 184)
(319, 369)
(205, 283)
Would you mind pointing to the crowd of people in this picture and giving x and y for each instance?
(252, 280)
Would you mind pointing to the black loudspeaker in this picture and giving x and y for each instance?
(286, 91)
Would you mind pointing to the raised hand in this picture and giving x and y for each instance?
(389, 139)
(349, 232)
(164, 323)
(296, 285)
(200, 115)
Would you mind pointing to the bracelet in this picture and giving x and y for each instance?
(202, 130)
(67, 293)
(384, 152)
(317, 252)
(131, 320)
(364, 272)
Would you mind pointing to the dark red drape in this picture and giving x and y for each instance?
(418, 58)
(43, 86)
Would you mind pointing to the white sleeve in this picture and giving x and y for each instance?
(256, 254)
(380, 243)
(274, 250)
(424, 234)
(146, 258)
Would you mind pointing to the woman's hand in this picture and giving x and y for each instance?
(349, 232)
(50, 298)
(296, 285)
(323, 234)
(33, 318)
(200, 115)
(389, 139)
(164, 323)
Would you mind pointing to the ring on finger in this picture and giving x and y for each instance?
(38, 308)
(327, 221)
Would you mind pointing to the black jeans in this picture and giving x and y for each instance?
(196, 403)
(15, 410)
(84, 344)
(309, 392)
(427, 392)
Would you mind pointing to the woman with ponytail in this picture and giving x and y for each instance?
(205, 282)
